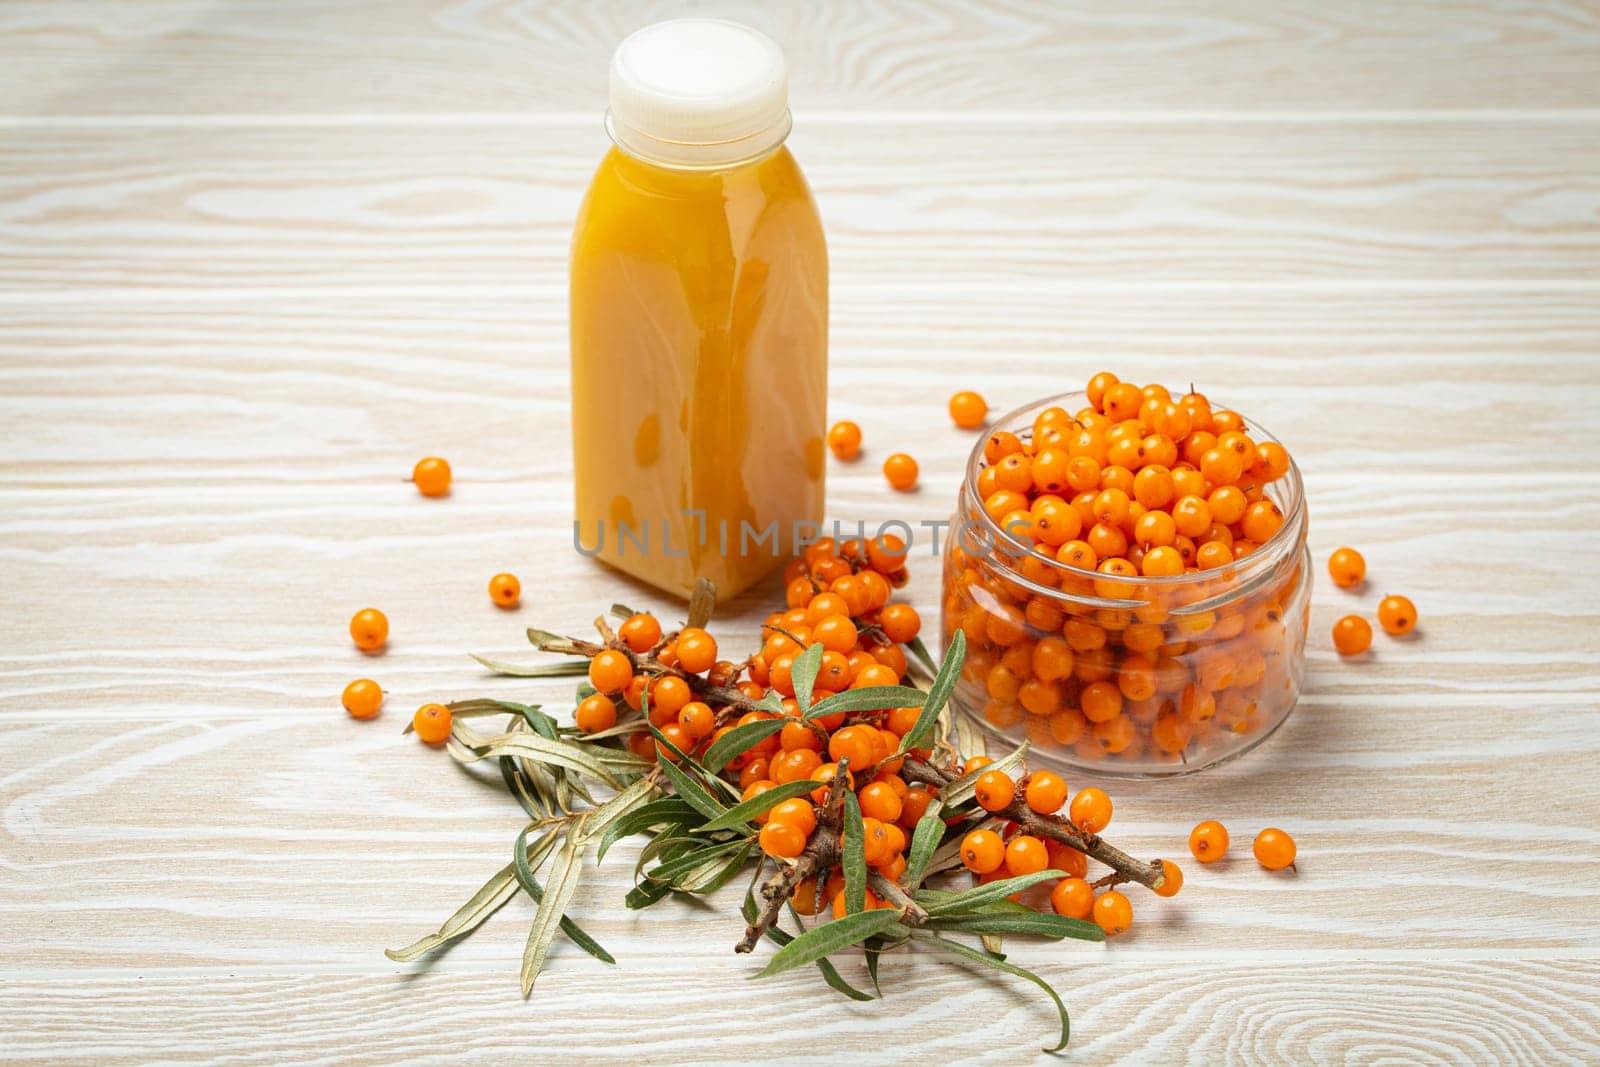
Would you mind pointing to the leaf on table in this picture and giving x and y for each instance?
(822, 940)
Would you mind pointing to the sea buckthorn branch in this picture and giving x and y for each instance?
(820, 855)
(1126, 868)
(732, 702)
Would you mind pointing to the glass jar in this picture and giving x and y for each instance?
(1134, 677)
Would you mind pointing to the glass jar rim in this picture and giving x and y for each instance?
(1283, 544)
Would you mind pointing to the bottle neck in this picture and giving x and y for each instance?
(678, 155)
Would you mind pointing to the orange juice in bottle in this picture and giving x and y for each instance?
(699, 303)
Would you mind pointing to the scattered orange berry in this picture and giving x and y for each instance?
(844, 440)
(1347, 568)
(362, 698)
(1208, 841)
(1091, 810)
(431, 476)
(369, 629)
(1113, 913)
(968, 409)
(505, 590)
(432, 723)
(901, 470)
(1274, 849)
(1352, 635)
(1172, 879)
(1397, 615)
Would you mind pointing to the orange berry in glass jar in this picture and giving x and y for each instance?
(362, 698)
(1221, 466)
(369, 629)
(1397, 615)
(432, 723)
(1153, 486)
(879, 800)
(1051, 469)
(968, 409)
(1155, 529)
(900, 623)
(1272, 460)
(1055, 522)
(1026, 854)
(1073, 898)
(1045, 792)
(1122, 402)
(1347, 568)
(1274, 849)
(1096, 389)
(505, 590)
(1108, 542)
(640, 632)
(1100, 701)
(1113, 913)
(697, 650)
(1225, 421)
(1051, 659)
(901, 471)
(1208, 841)
(431, 476)
(595, 712)
(1352, 635)
(1039, 697)
(844, 440)
(1014, 472)
(610, 672)
(1261, 521)
(1192, 516)
(982, 851)
(1228, 504)
(999, 445)
(1172, 879)
(994, 790)
(782, 840)
(1162, 562)
(1090, 810)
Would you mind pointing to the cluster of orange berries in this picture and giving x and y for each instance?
(1010, 853)
(1352, 634)
(837, 595)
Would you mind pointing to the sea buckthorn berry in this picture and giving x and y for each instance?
(677, 737)
(1096, 389)
(798, 593)
(1261, 521)
(610, 672)
(994, 790)
(1347, 568)
(1274, 849)
(668, 696)
(1051, 469)
(844, 440)
(754, 772)
(804, 899)
(782, 840)
(1212, 554)
(362, 698)
(900, 623)
(697, 650)
(968, 409)
(914, 805)
(431, 476)
(840, 906)
(982, 851)
(1113, 913)
(1091, 810)
(1199, 409)
(1192, 516)
(1352, 635)
(1224, 421)
(640, 632)
(505, 590)
(824, 604)
(432, 723)
(1100, 701)
(880, 801)
(1208, 841)
(886, 553)
(1228, 504)
(1162, 562)
(797, 812)
(1155, 529)
(1153, 486)
(1109, 543)
(1015, 472)
(1188, 481)
(1055, 522)
(633, 695)
(1272, 461)
(854, 743)
(1026, 854)
(1122, 401)
(1221, 466)
(1172, 879)
(1397, 615)
(595, 712)
(369, 629)
(836, 633)
(1079, 554)
(999, 445)
(697, 719)
(875, 675)
(1072, 897)
(1045, 792)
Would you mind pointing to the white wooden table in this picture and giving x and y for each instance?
(256, 258)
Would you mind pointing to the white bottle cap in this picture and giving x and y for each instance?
(698, 93)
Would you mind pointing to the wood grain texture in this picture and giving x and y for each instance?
(94, 57)
(256, 258)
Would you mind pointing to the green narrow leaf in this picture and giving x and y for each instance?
(1026, 921)
(771, 702)
(518, 786)
(738, 816)
(830, 973)
(567, 669)
(670, 870)
(804, 674)
(925, 839)
(1010, 968)
(565, 870)
(819, 941)
(543, 750)
(872, 698)
(740, 739)
(489, 898)
(944, 683)
(655, 813)
(531, 886)
(853, 856)
(714, 873)
(645, 894)
(960, 790)
(979, 895)
(693, 792)
(630, 799)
